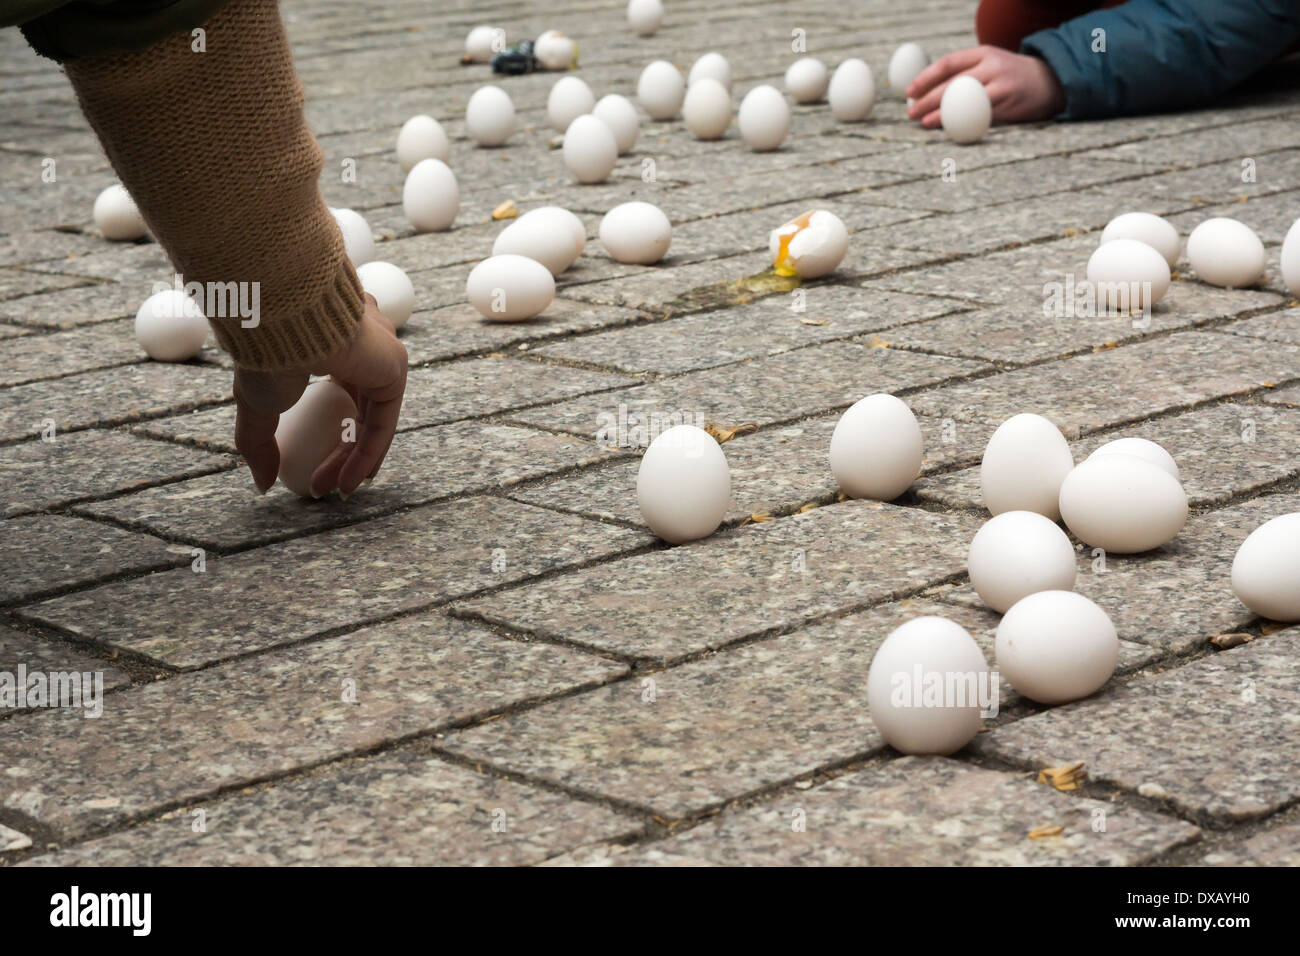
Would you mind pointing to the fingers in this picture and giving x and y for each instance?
(255, 439)
(943, 69)
(376, 436)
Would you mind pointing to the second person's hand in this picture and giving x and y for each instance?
(1021, 88)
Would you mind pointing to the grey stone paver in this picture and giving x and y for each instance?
(48, 656)
(210, 428)
(1275, 846)
(78, 306)
(45, 553)
(764, 390)
(1216, 738)
(426, 465)
(1276, 326)
(299, 588)
(1121, 385)
(1283, 396)
(108, 397)
(1195, 148)
(771, 575)
(39, 474)
(400, 809)
(917, 811)
(102, 345)
(181, 739)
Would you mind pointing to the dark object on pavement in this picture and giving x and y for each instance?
(516, 60)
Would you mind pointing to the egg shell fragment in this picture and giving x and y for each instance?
(1016, 554)
(309, 431)
(927, 650)
(1266, 569)
(876, 448)
(1056, 646)
(810, 245)
(510, 288)
(683, 486)
(1024, 464)
(1122, 504)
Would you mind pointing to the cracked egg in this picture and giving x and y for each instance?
(809, 246)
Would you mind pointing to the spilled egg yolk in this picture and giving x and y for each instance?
(783, 264)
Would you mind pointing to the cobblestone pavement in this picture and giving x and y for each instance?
(486, 657)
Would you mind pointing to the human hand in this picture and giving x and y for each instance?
(1021, 88)
(372, 367)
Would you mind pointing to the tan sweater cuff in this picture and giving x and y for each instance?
(212, 145)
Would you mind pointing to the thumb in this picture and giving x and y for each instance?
(260, 397)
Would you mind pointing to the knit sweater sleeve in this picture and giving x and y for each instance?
(210, 141)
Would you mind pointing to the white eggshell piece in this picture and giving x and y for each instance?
(806, 80)
(706, 111)
(358, 240)
(431, 196)
(510, 288)
(1056, 646)
(636, 232)
(1122, 504)
(1128, 275)
(904, 66)
(619, 114)
(1142, 448)
(816, 244)
(764, 118)
(310, 430)
(546, 238)
(1024, 463)
(711, 64)
(116, 215)
(1226, 252)
(1266, 570)
(661, 90)
(1158, 233)
(965, 110)
(170, 326)
(391, 286)
(590, 150)
(927, 651)
(421, 137)
(645, 16)
(852, 91)
(490, 116)
(683, 486)
(1018, 553)
(876, 448)
(569, 98)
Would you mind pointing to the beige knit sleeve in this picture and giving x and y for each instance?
(213, 148)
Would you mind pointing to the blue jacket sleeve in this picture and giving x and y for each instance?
(1163, 54)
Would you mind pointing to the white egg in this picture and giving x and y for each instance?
(555, 51)
(683, 486)
(310, 430)
(636, 232)
(965, 110)
(1056, 646)
(619, 114)
(1290, 258)
(590, 150)
(358, 240)
(1141, 448)
(661, 90)
(170, 326)
(806, 80)
(482, 44)
(116, 215)
(927, 654)
(711, 64)
(1023, 466)
(645, 16)
(876, 448)
(1018, 553)
(431, 196)
(570, 98)
(852, 91)
(557, 215)
(1160, 234)
(546, 238)
(764, 118)
(421, 137)
(904, 66)
(1127, 275)
(510, 288)
(809, 246)
(391, 286)
(490, 116)
(1226, 253)
(1266, 570)
(1122, 504)
(707, 109)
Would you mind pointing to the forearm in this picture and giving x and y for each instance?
(213, 147)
